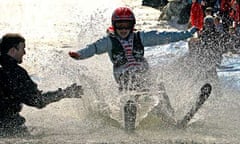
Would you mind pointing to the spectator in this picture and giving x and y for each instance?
(218, 24)
(208, 11)
(17, 88)
(196, 15)
(225, 10)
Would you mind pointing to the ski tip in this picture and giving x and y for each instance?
(206, 89)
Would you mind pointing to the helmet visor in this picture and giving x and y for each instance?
(123, 25)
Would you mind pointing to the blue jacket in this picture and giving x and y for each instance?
(150, 38)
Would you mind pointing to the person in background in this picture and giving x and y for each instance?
(224, 13)
(218, 24)
(17, 88)
(206, 52)
(209, 3)
(197, 14)
(174, 8)
(185, 13)
(235, 15)
(208, 11)
(206, 48)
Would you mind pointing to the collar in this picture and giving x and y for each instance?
(6, 60)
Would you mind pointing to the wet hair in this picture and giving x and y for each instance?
(9, 41)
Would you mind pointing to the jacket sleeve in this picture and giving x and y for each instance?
(100, 46)
(32, 96)
(153, 38)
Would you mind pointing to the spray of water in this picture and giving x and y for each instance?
(53, 28)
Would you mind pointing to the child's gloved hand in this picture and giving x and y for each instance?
(73, 91)
(74, 55)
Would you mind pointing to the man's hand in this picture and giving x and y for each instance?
(73, 91)
(74, 55)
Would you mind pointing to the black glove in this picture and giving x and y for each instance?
(73, 91)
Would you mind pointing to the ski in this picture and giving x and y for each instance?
(204, 94)
(130, 112)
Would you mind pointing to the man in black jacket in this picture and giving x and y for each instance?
(17, 88)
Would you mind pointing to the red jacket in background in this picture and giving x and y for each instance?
(235, 14)
(225, 5)
(197, 15)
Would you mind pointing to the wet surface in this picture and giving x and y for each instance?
(54, 27)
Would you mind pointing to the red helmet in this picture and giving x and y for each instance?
(123, 13)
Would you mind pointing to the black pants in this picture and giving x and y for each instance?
(12, 126)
